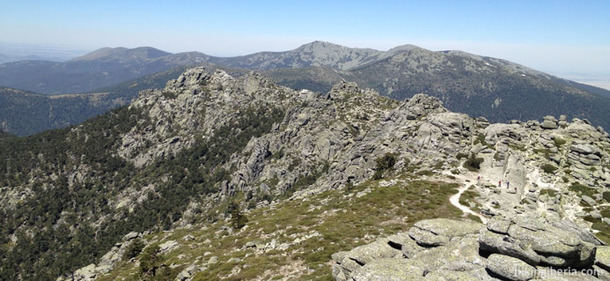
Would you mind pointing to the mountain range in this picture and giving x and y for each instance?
(481, 86)
(108, 66)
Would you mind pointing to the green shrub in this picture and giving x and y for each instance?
(305, 181)
(559, 141)
(582, 189)
(384, 163)
(473, 163)
(149, 261)
(438, 166)
(278, 155)
(481, 139)
(238, 220)
(549, 168)
(605, 212)
(549, 192)
(349, 186)
(545, 151)
(134, 249)
(295, 163)
(378, 175)
(461, 155)
(169, 95)
(425, 173)
(497, 156)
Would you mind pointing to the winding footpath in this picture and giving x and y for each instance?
(455, 201)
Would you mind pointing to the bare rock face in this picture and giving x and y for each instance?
(504, 249)
(536, 242)
(602, 259)
(438, 232)
(510, 268)
(549, 123)
(418, 106)
(388, 269)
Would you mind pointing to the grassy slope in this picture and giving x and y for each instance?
(337, 219)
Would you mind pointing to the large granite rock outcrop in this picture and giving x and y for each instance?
(517, 249)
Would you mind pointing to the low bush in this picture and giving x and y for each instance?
(384, 163)
(582, 189)
(238, 220)
(473, 163)
(549, 192)
(134, 249)
(559, 141)
(549, 168)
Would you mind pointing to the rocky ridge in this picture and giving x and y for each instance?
(310, 143)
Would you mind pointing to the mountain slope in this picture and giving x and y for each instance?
(25, 113)
(317, 53)
(172, 162)
(101, 68)
(122, 54)
(481, 86)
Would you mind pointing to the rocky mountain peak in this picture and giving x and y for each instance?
(190, 77)
(418, 106)
(318, 45)
(323, 46)
(425, 102)
(344, 89)
(402, 48)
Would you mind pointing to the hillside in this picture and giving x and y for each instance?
(123, 54)
(24, 113)
(479, 86)
(102, 68)
(217, 177)
(314, 54)
(483, 86)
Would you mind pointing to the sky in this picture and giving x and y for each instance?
(560, 37)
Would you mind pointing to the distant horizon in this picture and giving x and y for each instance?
(597, 79)
(554, 36)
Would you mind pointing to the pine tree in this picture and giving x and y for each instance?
(238, 220)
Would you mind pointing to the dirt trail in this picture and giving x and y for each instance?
(455, 201)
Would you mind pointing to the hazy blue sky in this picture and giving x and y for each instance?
(554, 36)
